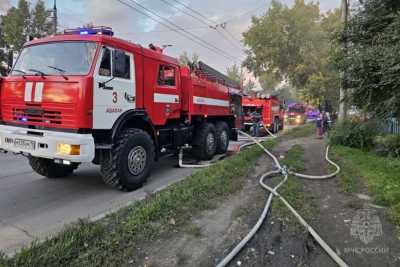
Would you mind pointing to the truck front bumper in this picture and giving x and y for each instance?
(44, 144)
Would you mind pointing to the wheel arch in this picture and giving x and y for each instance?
(134, 119)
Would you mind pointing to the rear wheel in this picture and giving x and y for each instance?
(205, 145)
(130, 162)
(48, 168)
(222, 136)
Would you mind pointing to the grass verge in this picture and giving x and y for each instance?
(293, 190)
(113, 240)
(380, 174)
(301, 131)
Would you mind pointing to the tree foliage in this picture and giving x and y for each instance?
(41, 25)
(295, 44)
(236, 73)
(186, 60)
(21, 23)
(372, 62)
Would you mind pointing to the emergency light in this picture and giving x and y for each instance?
(91, 31)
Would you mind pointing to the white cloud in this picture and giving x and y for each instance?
(4, 6)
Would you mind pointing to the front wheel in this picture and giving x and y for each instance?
(130, 162)
(48, 168)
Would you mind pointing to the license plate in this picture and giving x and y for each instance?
(24, 144)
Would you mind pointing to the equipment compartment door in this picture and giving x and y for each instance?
(114, 89)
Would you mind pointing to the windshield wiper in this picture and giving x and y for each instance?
(39, 72)
(61, 71)
(20, 71)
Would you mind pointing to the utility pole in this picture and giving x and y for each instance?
(342, 103)
(55, 18)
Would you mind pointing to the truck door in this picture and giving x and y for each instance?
(114, 89)
(167, 99)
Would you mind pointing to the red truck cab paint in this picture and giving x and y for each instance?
(270, 109)
(296, 114)
(86, 96)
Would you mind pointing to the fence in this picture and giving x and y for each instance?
(391, 126)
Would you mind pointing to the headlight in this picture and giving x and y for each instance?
(285, 116)
(67, 149)
(298, 117)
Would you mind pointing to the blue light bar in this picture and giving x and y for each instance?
(90, 31)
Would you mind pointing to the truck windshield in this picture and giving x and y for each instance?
(296, 109)
(68, 58)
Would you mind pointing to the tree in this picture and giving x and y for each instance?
(20, 23)
(41, 24)
(294, 44)
(236, 74)
(15, 29)
(373, 56)
(186, 60)
(3, 57)
(249, 86)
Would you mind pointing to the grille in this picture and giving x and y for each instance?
(37, 115)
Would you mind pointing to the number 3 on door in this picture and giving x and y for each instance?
(114, 97)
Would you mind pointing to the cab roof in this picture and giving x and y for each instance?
(106, 40)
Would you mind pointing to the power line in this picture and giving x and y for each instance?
(210, 25)
(183, 30)
(176, 28)
(244, 14)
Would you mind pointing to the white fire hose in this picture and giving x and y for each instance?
(250, 142)
(273, 192)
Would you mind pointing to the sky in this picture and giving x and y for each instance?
(131, 25)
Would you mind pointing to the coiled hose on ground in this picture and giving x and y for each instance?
(273, 192)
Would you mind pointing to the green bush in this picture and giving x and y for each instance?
(354, 133)
(388, 145)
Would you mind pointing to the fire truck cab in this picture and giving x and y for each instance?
(86, 96)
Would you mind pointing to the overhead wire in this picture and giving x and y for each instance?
(206, 21)
(172, 28)
(180, 30)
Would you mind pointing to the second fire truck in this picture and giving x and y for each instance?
(268, 108)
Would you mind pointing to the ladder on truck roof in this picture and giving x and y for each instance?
(214, 75)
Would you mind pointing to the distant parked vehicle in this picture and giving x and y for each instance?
(312, 114)
(296, 114)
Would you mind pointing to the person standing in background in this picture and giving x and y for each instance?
(319, 125)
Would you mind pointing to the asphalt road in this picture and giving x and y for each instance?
(32, 207)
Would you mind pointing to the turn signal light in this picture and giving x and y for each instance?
(67, 149)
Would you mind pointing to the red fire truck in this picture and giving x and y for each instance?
(86, 96)
(269, 108)
(296, 114)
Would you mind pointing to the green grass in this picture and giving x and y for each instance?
(301, 131)
(294, 158)
(293, 190)
(113, 240)
(381, 175)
